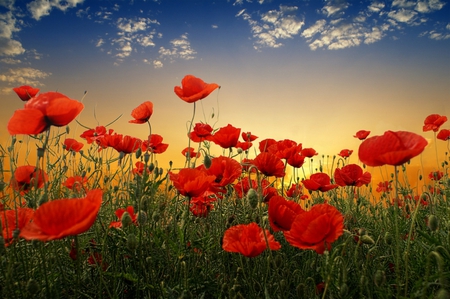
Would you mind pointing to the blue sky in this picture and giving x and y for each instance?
(311, 71)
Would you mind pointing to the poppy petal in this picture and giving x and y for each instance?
(61, 111)
(27, 121)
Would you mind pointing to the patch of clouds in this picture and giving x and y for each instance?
(10, 61)
(8, 26)
(335, 7)
(23, 76)
(273, 26)
(180, 49)
(42, 8)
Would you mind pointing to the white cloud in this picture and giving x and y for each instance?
(180, 49)
(157, 64)
(9, 46)
(24, 76)
(403, 15)
(273, 26)
(314, 29)
(334, 7)
(376, 7)
(41, 8)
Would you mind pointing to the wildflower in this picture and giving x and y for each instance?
(384, 187)
(265, 144)
(191, 182)
(27, 177)
(248, 240)
(284, 149)
(225, 170)
(122, 144)
(142, 113)
(71, 144)
(443, 134)
(392, 148)
(351, 175)
(244, 145)
(316, 229)
(226, 137)
(294, 191)
(433, 122)
(140, 168)
(201, 132)
(345, 153)
(362, 134)
(120, 212)
(243, 186)
(269, 164)
(64, 217)
(282, 213)
(154, 144)
(201, 206)
(26, 92)
(12, 220)
(309, 152)
(41, 112)
(189, 152)
(319, 182)
(296, 160)
(75, 183)
(436, 175)
(193, 89)
(248, 136)
(95, 135)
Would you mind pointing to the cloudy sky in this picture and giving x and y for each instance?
(311, 71)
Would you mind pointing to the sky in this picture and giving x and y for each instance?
(311, 71)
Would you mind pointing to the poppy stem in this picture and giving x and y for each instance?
(189, 139)
(397, 243)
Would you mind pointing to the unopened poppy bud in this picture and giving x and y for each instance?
(67, 129)
(155, 216)
(146, 157)
(121, 155)
(16, 233)
(2, 185)
(433, 223)
(239, 150)
(138, 153)
(43, 199)
(300, 289)
(131, 241)
(343, 290)
(126, 219)
(32, 287)
(379, 278)
(388, 239)
(252, 198)
(151, 167)
(366, 239)
(40, 152)
(207, 162)
(142, 217)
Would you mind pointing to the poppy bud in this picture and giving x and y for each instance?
(2, 186)
(155, 216)
(32, 287)
(239, 150)
(379, 278)
(388, 239)
(366, 239)
(16, 233)
(442, 294)
(343, 290)
(207, 162)
(433, 223)
(151, 167)
(138, 153)
(40, 152)
(67, 129)
(146, 157)
(300, 289)
(126, 219)
(131, 241)
(252, 198)
(142, 217)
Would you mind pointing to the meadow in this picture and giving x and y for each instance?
(96, 216)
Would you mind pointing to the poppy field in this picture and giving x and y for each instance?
(96, 216)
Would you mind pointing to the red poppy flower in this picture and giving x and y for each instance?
(436, 175)
(76, 183)
(384, 187)
(64, 217)
(269, 165)
(296, 160)
(248, 240)
(201, 206)
(345, 153)
(26, 92)
(119, 213)
(11, 220)
(392, 148)
(226, 137)
(443, 134)
(140, 168)
(41, 112)
(123, 144)
(244, 145)
(434, 122)
(351, 175)
(201, 132)
(265, 144)
(94, 135)
(189, 152)
(191, 182)
(226, 170)
(284, 149)
(319, 182)
(26, 177)
(71, 144)
(248, 136)
(316, 229)
(193, 89)
(309, 152)
(154, 144)
(295, 190)
(362, 134)
(243, 186)
(282, 213)
(142, 113)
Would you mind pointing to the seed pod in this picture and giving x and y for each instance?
(126, 219)
(433, 223)
(132, 242)
(207, 162)
(379, 278)
(366, 239)
(142, 217)
(252, 198)
(442, 294)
